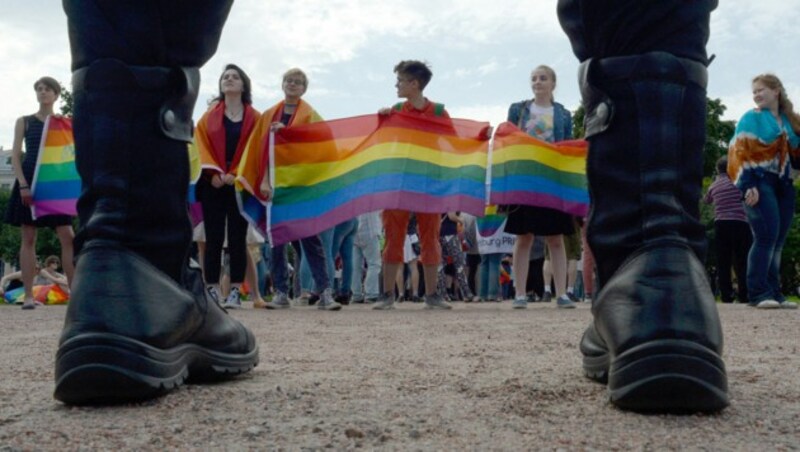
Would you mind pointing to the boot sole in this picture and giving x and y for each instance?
(105, 368)
(668, 375)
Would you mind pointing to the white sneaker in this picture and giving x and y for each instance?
(279, 301)
(785, 304)
(234, 300)
(327, 303)
(563, 302)
(768, 304)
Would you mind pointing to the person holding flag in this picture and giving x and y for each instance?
(31, 129)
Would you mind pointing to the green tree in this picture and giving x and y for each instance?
(578, 118)
(718, 132)
(718, 135)
(66, 101)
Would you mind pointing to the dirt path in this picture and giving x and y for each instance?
(482, 377)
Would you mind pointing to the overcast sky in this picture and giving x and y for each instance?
(481, 52)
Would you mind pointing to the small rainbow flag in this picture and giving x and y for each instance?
(529, 171)
(490, 222)
(328, 172)
(56, 184)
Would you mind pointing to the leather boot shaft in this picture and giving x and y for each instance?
(646, 128)
(135, 172)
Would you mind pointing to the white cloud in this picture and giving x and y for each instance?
(481, 52)
(493, 113)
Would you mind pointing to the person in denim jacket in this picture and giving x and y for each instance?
(519, 113)
(545, 119)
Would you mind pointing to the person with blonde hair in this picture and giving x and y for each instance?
(291, 111)
(544, 118)
(764, 148)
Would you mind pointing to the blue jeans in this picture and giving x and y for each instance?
(490, 275)
(366, 249)
(343, 235)
(770, 220)
(313, 256)
(262, 268)
(307, 282)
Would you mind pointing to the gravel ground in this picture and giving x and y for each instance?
(481, 377)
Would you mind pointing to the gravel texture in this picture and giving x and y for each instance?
(480, 377)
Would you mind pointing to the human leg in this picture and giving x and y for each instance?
(429, 225)
(357, 271)
(395, 223)
(656, 336)
(724, 247)
(214, 223)
(279, 269)
(65, 237)
(413, 267)
(372, 254)
(27, 261)
(520, 262)
(317, 262)
(741, 247)
(764, 219)
(483, 277)
(588, 267)
(237, 237)
(343, 237)
(786, 202)
(558, 259)
(239, 260)
(490, 276)
(138, 322)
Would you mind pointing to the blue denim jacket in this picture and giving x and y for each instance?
(562, 119)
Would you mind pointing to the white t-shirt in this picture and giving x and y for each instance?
(540, 123)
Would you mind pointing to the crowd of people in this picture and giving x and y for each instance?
(441, 247)
(343, 264)
(141, 321)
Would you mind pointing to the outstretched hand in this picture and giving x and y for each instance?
(751, 196)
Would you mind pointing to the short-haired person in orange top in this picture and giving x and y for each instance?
(289, 112)
(412, 77)
(222, 134)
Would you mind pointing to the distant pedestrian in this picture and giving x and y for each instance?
(732, 236)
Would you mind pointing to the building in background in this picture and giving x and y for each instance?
(6, 171)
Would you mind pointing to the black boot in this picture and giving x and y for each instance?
(138, 322)
(656, 336)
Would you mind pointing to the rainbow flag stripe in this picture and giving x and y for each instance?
(56, 184)
(328, 172)
(529, 171)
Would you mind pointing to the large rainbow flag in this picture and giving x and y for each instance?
(328, 172)
(56, 184)
(529, 171)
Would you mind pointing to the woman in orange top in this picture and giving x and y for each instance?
(221, 137)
